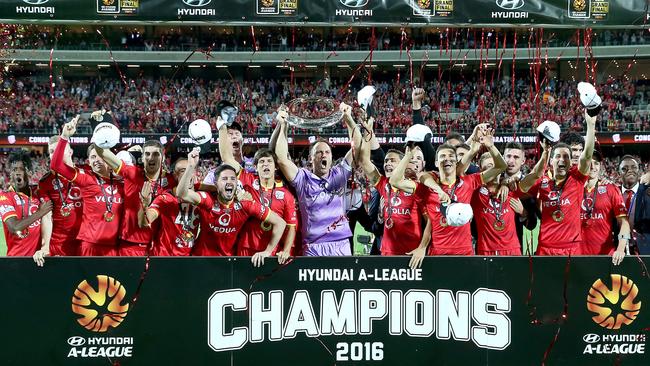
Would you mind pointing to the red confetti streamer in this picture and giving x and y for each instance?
(117, 66)
(255, 49)
(373, 44)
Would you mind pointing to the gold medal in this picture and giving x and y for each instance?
(22, 234)
(266, 226)
(66, 210)
(188, 237)
(558, 215)
(109, 216)
(389, 223)
(499, 225)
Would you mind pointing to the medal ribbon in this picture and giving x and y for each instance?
(109, 206)
(590, 208)
(63, 199)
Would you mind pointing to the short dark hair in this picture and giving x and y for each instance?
(395, 151)
(154, 143)
(559, 145)
(222, 168)
(514, 145)
(597, 155)
(235, 126)
(630, 157)
(20, 155)
(443, 147)
(455, 136)
(573, 138)
(173, 167)
(463, 146)
(264, 153)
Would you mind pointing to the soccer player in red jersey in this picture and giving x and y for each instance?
(602, 204)
(20, 209)
(179, 221)
(102, 197)
(61, 229)
(269, 192)
(559, 197)
(133, 238)
(495, 219)
(222, 216)
(445, 239)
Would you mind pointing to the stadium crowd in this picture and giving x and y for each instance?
(160, 105)
(416, 202)
(296, 39)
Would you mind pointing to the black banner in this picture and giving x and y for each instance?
(563, 13)
(308, 137)
(325, 311)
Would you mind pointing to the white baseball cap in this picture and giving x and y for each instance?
(550, 130)
(106, 135)
(416, 133)
(459, 214)
(364, 96)
(588, 95)
(200, 131)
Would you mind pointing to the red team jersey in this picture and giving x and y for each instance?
(256, 235)
(168, 239)
(95, 191)
(562, 237)
(606, 203)
(406, 230)
(18, 205)
(449, 240)
(53, 187)
(491, 240)
(221, 224)
(134, 178)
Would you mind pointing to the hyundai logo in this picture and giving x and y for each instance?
(354, 3)
(35, 2)
(195, 3)
(76, 341)
(591, 338)
(510, 4)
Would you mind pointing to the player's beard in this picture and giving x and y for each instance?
(152, 168)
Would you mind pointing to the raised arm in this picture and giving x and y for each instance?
(397, 179)
(225, 147)
(538, 171)
(15, 225)
(499, 164)
(354, 132)
(287, 167)
(585, 158)
(56, 163)
(111, 159)
(183, 191)
(364, 150)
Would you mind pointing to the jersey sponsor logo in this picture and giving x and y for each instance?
(563, 202)
(75, 193)
(102, 307)
(222, 230)
(395, 201)
(224, 219)
(592, 216)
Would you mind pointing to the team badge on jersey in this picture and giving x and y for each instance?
(279, 195)
(484, 191)
(544, 184)
(602, 190)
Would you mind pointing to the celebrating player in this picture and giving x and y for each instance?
(223, 216)
(21, 210)
(269, 192)
(179, 221)
(560, 230)
(133, 238)
(320, 191)
(102, 197)
(602, 204)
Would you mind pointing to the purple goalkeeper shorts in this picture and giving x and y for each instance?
(327, 249)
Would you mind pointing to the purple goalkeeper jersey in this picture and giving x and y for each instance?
(322, 204)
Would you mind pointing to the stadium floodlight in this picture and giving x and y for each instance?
(311, 66)
(103, 65)
(343, 66)
(398, 66)
(460, 65)
(42, 65)
(432, 65)
(193, 66)
(254, 66)
(165, 66)
(222, 66)
(132, 66)
(74, 65)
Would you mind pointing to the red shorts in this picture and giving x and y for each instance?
(557, 251)
(450, 251)
(129, 249)
(513, 251)
(87, 249)
(246, 252)
(66, 249)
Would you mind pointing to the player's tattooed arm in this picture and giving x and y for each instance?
(225, 147)
(354, 133)
(287, 167)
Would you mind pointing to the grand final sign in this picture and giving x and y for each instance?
(325, 311)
